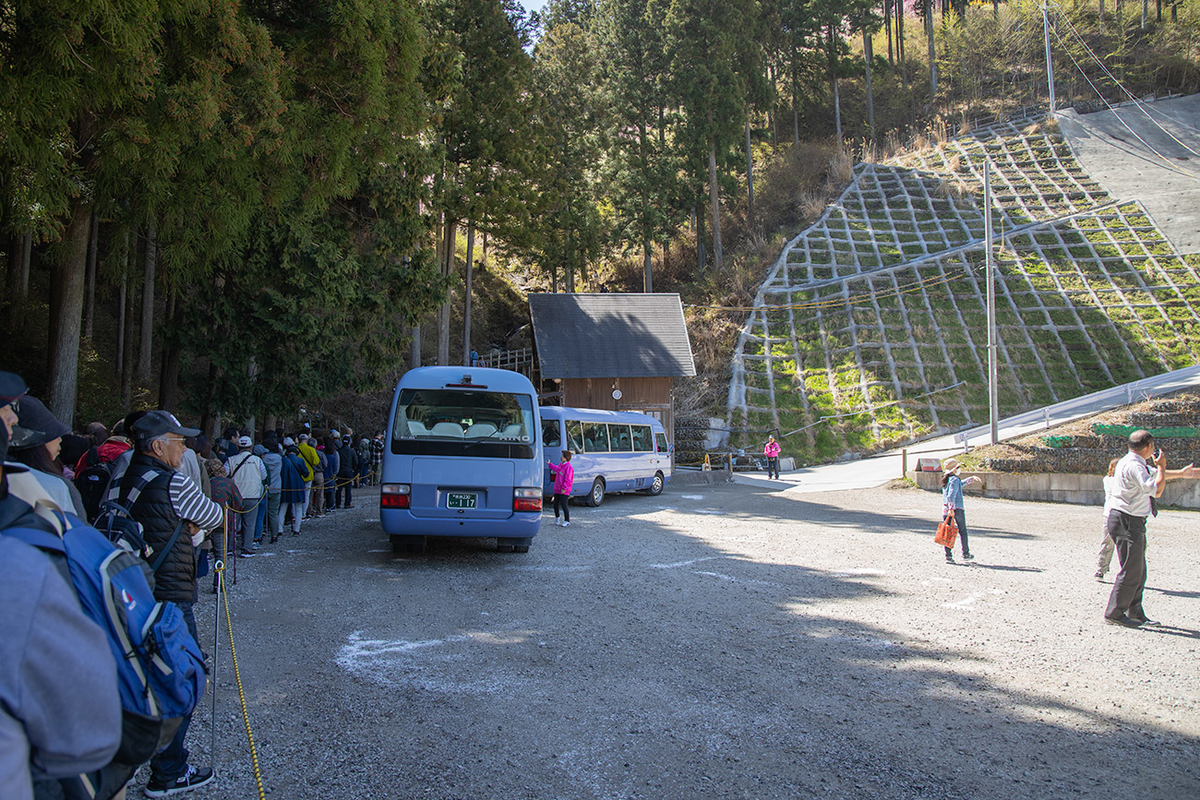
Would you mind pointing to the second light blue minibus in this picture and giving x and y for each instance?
(611, 451)
(462, 458)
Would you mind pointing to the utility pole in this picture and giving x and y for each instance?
(1049, 63)
(990, 262)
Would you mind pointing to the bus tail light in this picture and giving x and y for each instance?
(527, 499)
(394, 495)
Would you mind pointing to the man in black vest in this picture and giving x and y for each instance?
(174, 513)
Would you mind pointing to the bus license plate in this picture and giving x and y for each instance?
(460, 500)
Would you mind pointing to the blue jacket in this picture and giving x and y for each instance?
(293, 484)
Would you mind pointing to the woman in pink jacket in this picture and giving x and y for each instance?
(771, 451)
(564, 477)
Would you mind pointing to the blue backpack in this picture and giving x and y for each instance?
(160, 670)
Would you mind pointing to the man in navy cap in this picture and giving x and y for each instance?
(174, 513)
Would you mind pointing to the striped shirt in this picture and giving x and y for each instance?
(191, 504)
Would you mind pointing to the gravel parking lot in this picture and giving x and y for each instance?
(725, 641)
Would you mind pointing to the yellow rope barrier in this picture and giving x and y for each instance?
(220, 568)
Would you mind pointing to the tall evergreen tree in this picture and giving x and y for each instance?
(714, 57)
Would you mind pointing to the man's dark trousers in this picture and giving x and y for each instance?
(1129, 533)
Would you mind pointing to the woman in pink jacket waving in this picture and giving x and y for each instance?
(771, 451)
(564, 477)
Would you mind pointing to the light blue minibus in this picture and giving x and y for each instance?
(462, 458)
(611, 451)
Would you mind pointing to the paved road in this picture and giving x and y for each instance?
(1148, 152)
(876, 470)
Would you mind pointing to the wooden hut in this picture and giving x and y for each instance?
(620, 352)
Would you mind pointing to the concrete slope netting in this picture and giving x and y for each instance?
(871, 327)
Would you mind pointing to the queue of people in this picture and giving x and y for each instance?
(193, 502)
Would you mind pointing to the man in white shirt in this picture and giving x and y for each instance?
(250, 475)
(1139, 478)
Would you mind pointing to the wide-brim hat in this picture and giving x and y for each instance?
(35, 425)
(951, 465)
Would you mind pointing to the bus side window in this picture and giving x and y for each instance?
(595, 437)
(550, 435)
(619, 436)
(643, 441)
(575, 436)
(661, 440)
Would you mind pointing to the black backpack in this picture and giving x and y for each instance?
(92, 483)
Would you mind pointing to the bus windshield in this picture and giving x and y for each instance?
(466, 422)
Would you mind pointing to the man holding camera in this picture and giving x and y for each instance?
(1140, 477)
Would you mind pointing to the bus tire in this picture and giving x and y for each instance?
(656, 487)
(408, 545)
(596, 495)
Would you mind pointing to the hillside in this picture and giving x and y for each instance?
(871, 330)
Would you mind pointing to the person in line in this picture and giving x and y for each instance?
(377, 447)
(335, 465)
(771, 451)
(347, 471)
(952, 502)
(72, 450)
(168, 501)
(251, 476)
(316, 507)
(272, 457)
(36, 441)
(309, 453)
(60, 712)
(364, 462)
(294, 494)
(226, 495)
(564, 480)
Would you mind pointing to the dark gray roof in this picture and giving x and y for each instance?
(611, 336)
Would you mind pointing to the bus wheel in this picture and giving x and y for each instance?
(596, 496)
(408, 545)
(656, 488)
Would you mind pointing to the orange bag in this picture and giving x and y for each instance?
(947, 532)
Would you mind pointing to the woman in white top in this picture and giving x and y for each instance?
(1106, 543)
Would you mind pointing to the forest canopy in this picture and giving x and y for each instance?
(231, 208)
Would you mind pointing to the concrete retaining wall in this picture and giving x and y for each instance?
(1085, 490)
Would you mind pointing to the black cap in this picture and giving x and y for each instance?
(156, 423)
(11, 387)
(35, 425)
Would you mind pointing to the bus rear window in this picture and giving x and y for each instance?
(430, 421)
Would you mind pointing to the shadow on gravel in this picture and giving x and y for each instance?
(624, 658)
(1171, 630)
(1002, 567)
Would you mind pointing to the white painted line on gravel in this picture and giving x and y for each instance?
(860, 572)
(548, 568)
(679, 564)
(731, 579)
(970, 600)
